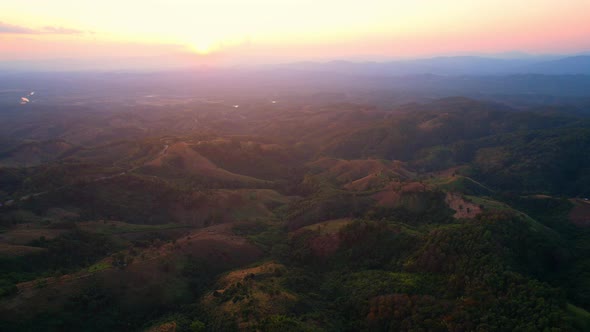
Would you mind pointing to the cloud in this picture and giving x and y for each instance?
(9, 28)
(6, 28)
(61, 30)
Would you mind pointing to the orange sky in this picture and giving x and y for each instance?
(225, 32)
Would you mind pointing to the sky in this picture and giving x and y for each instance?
(171, 33)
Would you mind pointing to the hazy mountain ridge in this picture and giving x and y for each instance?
(453, 66)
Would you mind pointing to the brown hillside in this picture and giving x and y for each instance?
(580, 214)
(180, 160)
(32, 154)
(463, 208)
(349, 172)
(153, 273)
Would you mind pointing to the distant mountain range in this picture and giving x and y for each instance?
(467, 65)
(459, 65)
(569, 65)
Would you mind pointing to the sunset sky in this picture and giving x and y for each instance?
(222, 32)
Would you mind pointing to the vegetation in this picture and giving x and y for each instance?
(449, 216)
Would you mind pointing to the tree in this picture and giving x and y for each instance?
(197, 326)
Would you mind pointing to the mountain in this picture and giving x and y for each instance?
(576, 65)
(452, 65)
(459, 65)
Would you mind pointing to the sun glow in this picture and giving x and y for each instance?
(202, 47)
(276, 31)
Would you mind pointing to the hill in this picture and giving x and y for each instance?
(34, 153)
(179, 160)
(300, 215)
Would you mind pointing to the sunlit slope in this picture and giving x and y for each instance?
(181, 161)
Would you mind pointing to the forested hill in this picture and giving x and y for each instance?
(280, 215)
